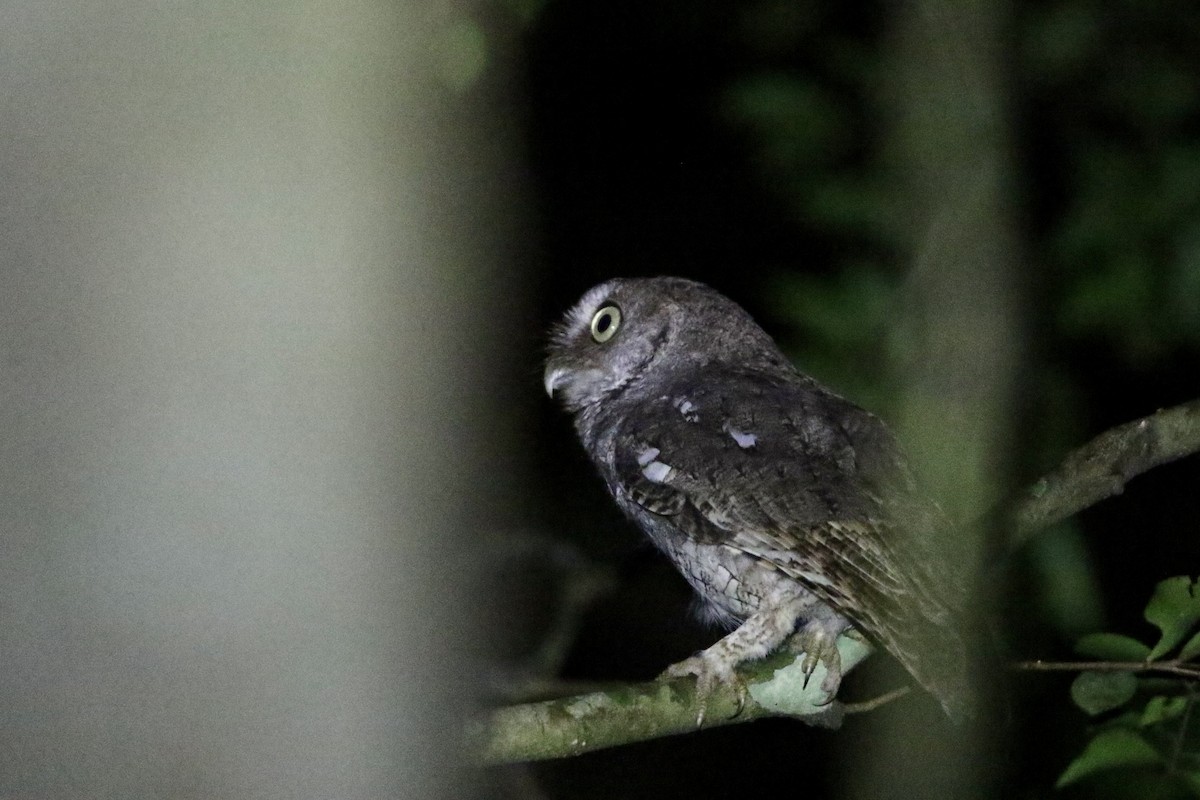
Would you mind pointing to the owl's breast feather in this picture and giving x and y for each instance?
(729, 584)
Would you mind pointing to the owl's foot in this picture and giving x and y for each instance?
(761, 633)
(712, 671)
(818, 641)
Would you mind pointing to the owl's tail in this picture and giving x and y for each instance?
(933, 646)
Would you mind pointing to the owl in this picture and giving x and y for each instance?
(788, 509)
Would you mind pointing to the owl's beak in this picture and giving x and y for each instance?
(554, 378)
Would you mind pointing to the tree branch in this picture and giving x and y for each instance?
(569, 726)
(1103, 466)
(630, 713)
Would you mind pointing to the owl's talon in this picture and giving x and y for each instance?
(818, 642)
(808, 666)
(710, 672)
(743, 692)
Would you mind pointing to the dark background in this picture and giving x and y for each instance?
(742, 144)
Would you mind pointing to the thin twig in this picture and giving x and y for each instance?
(1182, 669)
(876, 702)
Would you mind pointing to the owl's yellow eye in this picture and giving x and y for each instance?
(605, 323)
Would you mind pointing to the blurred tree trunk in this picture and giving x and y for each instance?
(245, 251)
(961, 331)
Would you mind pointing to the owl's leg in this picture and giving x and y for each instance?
(817, 639)
(755, 638)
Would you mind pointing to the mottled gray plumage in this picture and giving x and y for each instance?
(787, 508)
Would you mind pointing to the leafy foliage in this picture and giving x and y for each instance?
(1097, 692)
(1174, 609)
(1112, 647)
(1106, 135)
(1155, 726)
(1110, 748)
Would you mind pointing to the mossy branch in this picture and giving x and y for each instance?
(634, 712)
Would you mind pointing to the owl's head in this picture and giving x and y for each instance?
(630, 334)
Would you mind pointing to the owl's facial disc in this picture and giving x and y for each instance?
(598, 349)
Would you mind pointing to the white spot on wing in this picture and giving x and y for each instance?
(744, 440)
(687, 408)
(657, 471)
(647, 455)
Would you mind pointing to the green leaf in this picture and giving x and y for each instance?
(1174, 609)
(1115, 747)
(1191, 649)
(1162, 708)
(1097, 692)
(1112, 647)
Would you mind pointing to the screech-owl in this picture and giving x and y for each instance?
(787, 508)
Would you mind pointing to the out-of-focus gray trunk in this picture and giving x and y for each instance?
(960, 338)
(245, 253)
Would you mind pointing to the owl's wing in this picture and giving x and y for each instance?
(802, 479)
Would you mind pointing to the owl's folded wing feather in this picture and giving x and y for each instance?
(814, 486)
